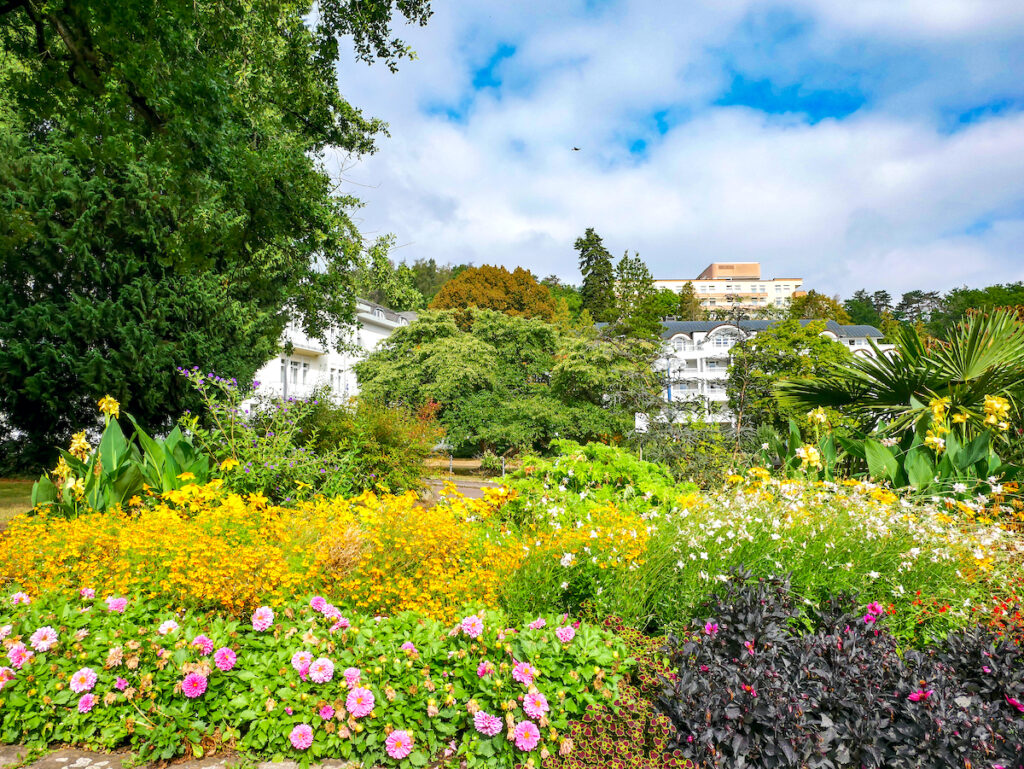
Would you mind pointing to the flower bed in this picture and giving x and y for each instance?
(299, 680)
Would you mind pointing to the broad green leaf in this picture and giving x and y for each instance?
(882, 465)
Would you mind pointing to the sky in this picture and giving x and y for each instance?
(873, 144)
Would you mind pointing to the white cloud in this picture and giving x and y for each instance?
(883, 198)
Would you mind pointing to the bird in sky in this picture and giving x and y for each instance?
(575, 149)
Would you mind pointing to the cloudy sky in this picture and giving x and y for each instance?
(872, 143)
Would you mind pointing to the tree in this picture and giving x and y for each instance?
(598, 290)
(637, 310)
(917, 306)
(783, 350)
(504, 382)
(163, 196)
(429, 277)
(689, 304)
(815, 306)
(381, 281)
(568, 300)
(495, 288)
(862, 310)
(665, 303)
(957, 303)
(882, 302)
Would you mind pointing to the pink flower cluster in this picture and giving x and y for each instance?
(167, 627)
(360, 702)
(875, 610)
(301, 661)
(321, 671)
(535, 705)
(6, 674)
(485, 668)
(116, 605)
(526, 735)
(473, 626)
(87, 592)
(86, 703)
(262, 618)
(83, 680)
(19, 655)
(194, 685)
(710, 628)
(121, 684)
(565, 634)
(352, 676)
(537, 624)
(203, 643)
(486, 724)
(920, 694)
(523, 672)
(398, 744)
(224, 658)
(408, 646)
(44, 639)
(20, 598)
(326, 712)
(301, 736)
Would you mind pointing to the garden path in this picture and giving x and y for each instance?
(71, 758)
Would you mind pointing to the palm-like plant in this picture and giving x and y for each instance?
(983, 356)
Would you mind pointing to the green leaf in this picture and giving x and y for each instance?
(920, 468)
(882, 465)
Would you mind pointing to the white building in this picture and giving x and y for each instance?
(727, 285)
(312, 363)
(695, 362)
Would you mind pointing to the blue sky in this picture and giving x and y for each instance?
(878, 144)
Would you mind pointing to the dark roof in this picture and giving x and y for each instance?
(672, 327)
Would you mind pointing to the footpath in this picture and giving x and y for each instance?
(71, 758)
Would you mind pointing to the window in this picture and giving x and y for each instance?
(853, 342)
(305, 372)
(294, 368)
(681, 343)
(778, 288)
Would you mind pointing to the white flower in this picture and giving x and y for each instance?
(997, 488)
(874, 574)
(764, 447)
(992, 479)
(565, 586)
(959, 488)
(567, 559)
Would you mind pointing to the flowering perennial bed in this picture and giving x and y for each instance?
(299, 680)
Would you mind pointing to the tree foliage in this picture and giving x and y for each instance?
(163, 194)
(689, 304)
(816, 306)
(598, 290)
(784, 350)
(495, 288)
(504, 382)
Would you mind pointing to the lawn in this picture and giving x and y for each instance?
(15, 497)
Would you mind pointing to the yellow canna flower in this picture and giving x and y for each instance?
(817, 416)
(109, 406)
(939, 407)
(80, 447)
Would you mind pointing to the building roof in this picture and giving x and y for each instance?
(672, 327)
(365, 306)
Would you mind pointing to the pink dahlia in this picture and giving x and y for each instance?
(224, 658)
(301, 661)
(710, 628)
(301, 736)
(919, 695)
(203, 643)
(167, 627)
(331, 611)
(523, 672)
(408, 646)
(44, 639)
(6, 674)
(262, 618)
(535, 705)
(486, 724)
(537, 624)
(485, 668)
(5, 631)
(352, 676)
(526, 735)
(116, 605)
(193, 686)
(473, 626)
(86, 702)
(83, 680)
(875, 608)
(19, 655)
(318, 603)
(399, 743)
(360, 702)
(565, 634)
(20, 598)
(869, 618)
(321, 671)
(326, 712)
(121, 684)
(87, 592)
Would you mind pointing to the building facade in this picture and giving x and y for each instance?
(727, 285)
(313, 364)
(695, 358)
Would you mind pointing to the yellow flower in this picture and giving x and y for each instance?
(809, 457)
(817, 416)
(996, 406)
(80, 447)
(110, 407)
(186, 476)
(935, 443)
(960, 418)
(302, 485)
(939, 407)
(228, 464)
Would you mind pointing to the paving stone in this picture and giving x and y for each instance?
(72, 758)
(11, 755)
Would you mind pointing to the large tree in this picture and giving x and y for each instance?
(959, 302)
(495, 288)
(598, 290)
(862, 310)
(816, 306)
(689, 304)
(164, 198)
(503, 381)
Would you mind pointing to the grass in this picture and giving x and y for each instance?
(15, 497)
